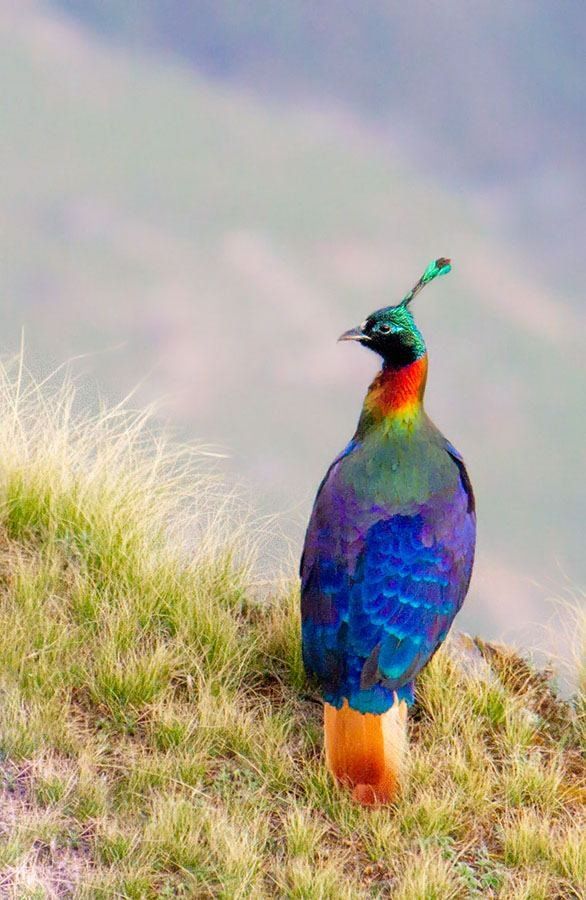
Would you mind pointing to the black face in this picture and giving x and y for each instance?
(392, 333)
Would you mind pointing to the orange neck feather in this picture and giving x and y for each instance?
(397, 393)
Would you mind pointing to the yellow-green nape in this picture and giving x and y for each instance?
(440, 266)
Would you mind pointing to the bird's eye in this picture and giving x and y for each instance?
(384, 329)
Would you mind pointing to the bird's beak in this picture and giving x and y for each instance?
(354, 334)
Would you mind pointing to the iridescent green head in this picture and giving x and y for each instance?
(391, 332)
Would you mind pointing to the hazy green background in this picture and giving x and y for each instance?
(200, 197)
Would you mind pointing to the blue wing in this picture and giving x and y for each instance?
(380, 591)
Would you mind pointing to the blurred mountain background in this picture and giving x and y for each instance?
(200, 197)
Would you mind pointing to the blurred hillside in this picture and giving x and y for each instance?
(212, 247)
(487, 97)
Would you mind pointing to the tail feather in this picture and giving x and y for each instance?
(365, 751)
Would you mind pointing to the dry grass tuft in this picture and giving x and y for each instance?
(157, 738)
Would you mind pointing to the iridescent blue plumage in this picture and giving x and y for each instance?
(390, 544)
(381, 585)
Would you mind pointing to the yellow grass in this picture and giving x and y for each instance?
(157, 737)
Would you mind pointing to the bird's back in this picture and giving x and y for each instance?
(387, 560)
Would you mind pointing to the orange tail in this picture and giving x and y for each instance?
(365, 751)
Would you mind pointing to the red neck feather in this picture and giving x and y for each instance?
(398, 392)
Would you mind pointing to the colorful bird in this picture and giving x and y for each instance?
(387, 559)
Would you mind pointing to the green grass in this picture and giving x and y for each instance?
(165, 224)
(157, 738)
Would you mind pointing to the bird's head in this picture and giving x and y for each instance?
(391, 332)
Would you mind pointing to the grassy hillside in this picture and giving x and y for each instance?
(157, 738)
(189, 239)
